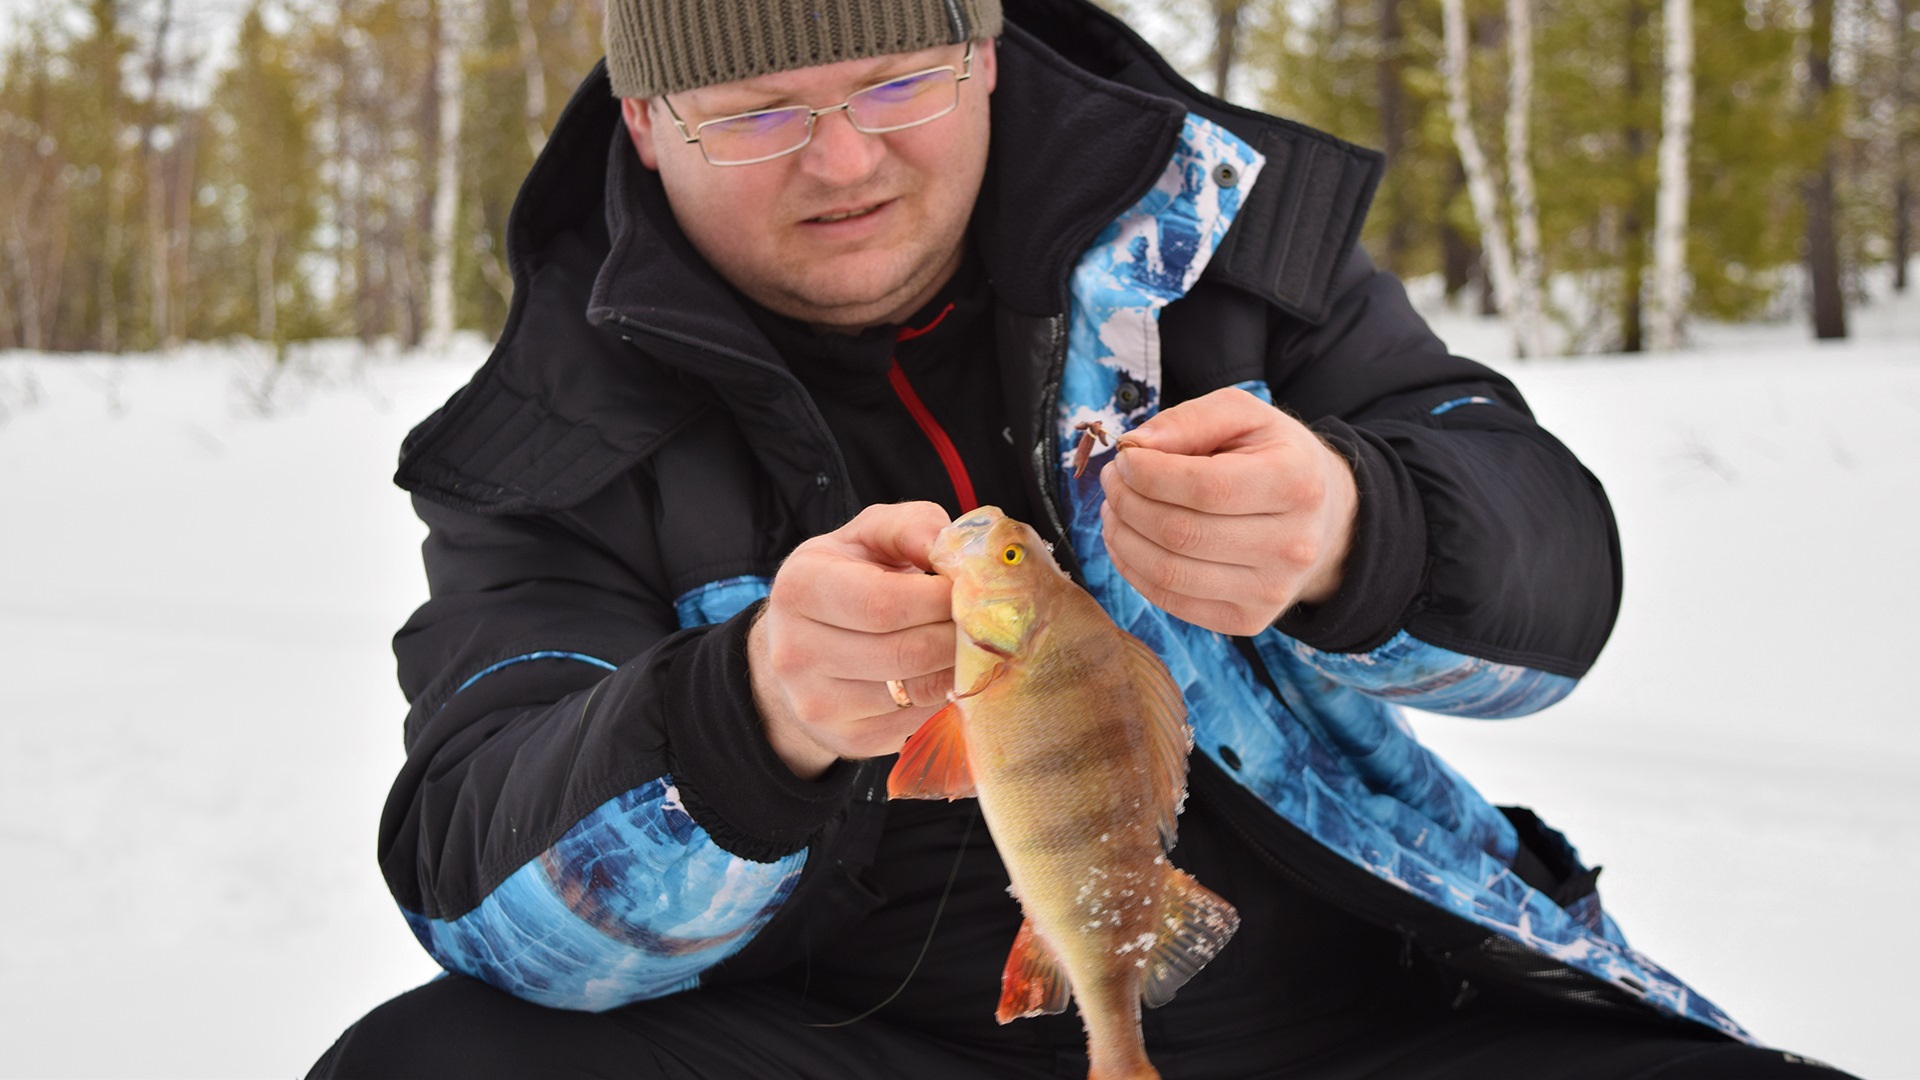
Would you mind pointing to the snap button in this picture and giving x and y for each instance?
(1225, 174)
(1127, 395)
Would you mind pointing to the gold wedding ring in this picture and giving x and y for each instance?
(898, 688)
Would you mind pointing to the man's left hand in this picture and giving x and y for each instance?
(1226, 512)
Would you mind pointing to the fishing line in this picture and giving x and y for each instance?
(940, 908)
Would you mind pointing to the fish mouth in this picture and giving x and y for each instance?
(965, 537)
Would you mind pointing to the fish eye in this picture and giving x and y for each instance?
(1012, 554)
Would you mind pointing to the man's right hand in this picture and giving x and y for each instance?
(848, 611)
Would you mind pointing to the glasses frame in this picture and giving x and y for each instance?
(961, 74)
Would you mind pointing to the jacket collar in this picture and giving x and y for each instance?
(1069, 152)
(591, 231)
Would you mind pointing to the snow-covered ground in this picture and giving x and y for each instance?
(198, 719)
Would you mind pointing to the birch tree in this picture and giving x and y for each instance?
(1528, 288)
(1480, 184)
(455, 16)
(536, 76)
(1670, 214)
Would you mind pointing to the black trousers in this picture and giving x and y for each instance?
(457, 1027)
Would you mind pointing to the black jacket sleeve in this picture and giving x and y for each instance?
(550, 684)
(1478, 531)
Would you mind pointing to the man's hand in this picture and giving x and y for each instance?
(848, 611)
(1225, 512)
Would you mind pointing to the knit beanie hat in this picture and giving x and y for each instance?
(666, 46)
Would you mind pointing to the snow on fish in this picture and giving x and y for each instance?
(1075, 739)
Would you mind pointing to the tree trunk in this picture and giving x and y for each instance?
(266, 305)
(1498, 260)
(21, 260)
(1904, 121)
(1823, 241)
(1902, 224)
(1393, 254)
(536, 75)
(1459, 259)
(180, 232)
(1528, 280)
(1226, 42)
(1632, 227)
(159, 285)
(1676, 148)
(446, 189)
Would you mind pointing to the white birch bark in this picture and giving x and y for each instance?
(1529, 315)
(536, 76)
(1670, 208)
(159, 284)
(450, 84)
(1480, 189)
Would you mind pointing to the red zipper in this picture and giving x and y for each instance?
(937, 435)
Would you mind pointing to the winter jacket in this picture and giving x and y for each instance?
(589, 814)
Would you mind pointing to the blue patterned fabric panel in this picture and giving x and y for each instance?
(1331, 753)
(718, 601)
(1408, 671)
(634, 902)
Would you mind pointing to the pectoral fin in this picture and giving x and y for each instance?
(1032, 984)
(1195, 927)
(933, 763)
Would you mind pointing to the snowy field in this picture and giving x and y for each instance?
(198, 718)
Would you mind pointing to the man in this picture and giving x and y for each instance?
(798, 283)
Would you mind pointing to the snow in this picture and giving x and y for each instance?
(200, 718)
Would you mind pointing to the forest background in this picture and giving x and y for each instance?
(287, 170)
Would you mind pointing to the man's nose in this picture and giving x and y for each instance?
(839, 153)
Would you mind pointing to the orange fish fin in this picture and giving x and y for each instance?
(1032, 984)
(1169, 738)
(1195, 927)
(933, 763)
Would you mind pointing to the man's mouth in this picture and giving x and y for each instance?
(843, 215)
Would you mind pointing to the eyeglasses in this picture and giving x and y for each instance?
(895, 105)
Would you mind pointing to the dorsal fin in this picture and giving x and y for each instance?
(1197, 925)
(1169, 738)
(933, 763)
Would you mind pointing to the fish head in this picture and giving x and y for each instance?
(1003, 575)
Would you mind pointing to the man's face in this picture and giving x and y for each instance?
(780, 230)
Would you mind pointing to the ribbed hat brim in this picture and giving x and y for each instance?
(665, 46)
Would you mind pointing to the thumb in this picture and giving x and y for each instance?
(1204, 425)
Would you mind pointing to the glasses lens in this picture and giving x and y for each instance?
(738, 140)
(904, 102)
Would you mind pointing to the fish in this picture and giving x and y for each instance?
(1074, 738)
